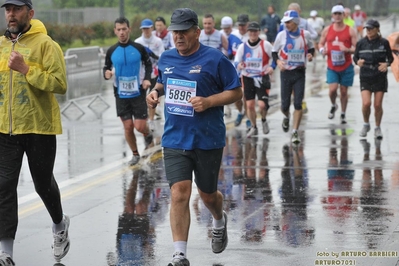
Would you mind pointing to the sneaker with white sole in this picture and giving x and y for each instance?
(331, 114)
(151, 125)
(363, 132)
(252, 131)
(286, 124)
(378, 133)
(343, 119)
(265, 127)
(61, 241)
(135, 159)
(179, 260)
(6, 260)
(219, 237)
(295, 138)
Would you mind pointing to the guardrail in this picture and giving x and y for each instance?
(84, 77)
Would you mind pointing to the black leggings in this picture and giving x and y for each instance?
(40, 151)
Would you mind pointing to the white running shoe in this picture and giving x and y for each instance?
(378, 133)
(151, 125)
(135, 159)
(295, 138)
(265, 127)
(6, 260)
(252, 131)
(61, 241)
(179, 260)
(363, 132)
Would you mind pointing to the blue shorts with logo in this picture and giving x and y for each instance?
(344, 78)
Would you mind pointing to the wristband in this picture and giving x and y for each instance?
(156, 91)
(321, 50)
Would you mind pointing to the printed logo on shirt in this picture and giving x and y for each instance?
(168, 70)
(195, 69)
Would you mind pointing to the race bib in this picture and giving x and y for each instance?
(128, 87)
(296, 57)
(178, 92)
(253, 65)
(337, 58)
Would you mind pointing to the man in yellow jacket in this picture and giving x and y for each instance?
(32, 70)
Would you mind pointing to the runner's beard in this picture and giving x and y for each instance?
(16, 29)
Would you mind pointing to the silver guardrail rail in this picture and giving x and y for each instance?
(84, 77)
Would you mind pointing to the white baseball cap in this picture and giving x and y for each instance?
(357, 7)
(313, 13)
(338, 8)
(226, 22)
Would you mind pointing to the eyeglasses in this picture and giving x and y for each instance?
(337, 13)
(370, 28)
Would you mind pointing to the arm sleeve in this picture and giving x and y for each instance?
(51, 75)
(108, 62)
(356, 53)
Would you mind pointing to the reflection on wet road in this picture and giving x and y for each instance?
(331, 199)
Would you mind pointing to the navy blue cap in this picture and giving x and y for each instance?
(183, 19)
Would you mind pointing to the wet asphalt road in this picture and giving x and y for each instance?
(332, 199)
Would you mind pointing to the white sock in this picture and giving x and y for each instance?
(367, 124)
(294, 130)
(218, 223)
(180, 247)
(59, 227)
(7, 246)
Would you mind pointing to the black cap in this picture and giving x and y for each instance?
(242, 19)
(253, 25)
(371, 24)
(183, 19)
(160, 19)
(19, 3)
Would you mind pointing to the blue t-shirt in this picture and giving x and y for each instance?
(234, 42)
(204, 73)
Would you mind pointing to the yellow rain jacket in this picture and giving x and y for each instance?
(27, 102)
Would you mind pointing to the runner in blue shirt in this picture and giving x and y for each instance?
(129, 88)
(197, 82)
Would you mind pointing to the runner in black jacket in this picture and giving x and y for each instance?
(373, 55)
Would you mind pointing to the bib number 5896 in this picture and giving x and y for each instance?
(181, 95)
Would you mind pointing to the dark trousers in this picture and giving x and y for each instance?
(40, 151)
(292, 81)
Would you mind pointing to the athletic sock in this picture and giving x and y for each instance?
(218, 223)
(59, 227)
(7, 246)
(180, 247)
